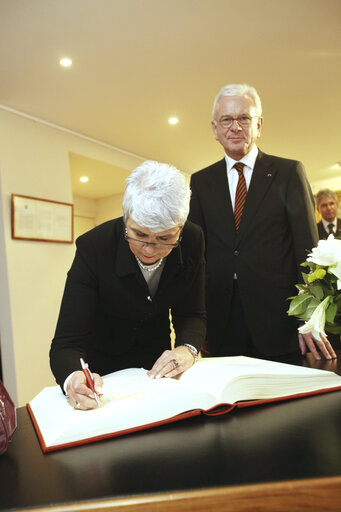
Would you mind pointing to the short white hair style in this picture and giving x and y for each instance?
(156, 196)
(238, 90)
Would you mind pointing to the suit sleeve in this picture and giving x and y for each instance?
(76, 315)
(195, 213)
(301, 214)
(189, 314)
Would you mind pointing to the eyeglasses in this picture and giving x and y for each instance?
(138, 242)
(227, 121)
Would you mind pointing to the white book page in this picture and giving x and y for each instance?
(235, 378)
(130, 399)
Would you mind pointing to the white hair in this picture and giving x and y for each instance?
(156, 196)
(238, 90)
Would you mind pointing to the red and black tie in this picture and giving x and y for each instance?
(240, 194)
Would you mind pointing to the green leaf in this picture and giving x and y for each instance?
(298, 304)
(311, 308)
(301, 287)
(331, 312)
(305, 277)
(316, 289)
(334, 329)
(309, 264)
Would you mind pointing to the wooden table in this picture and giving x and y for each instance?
(278, 457)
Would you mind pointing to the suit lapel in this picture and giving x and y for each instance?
(262, 178)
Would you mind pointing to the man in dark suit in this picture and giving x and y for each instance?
(253, 249)
(327, 205)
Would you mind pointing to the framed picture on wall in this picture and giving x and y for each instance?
(41, 220)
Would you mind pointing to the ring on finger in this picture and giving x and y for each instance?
(77, 405)
(175, 363)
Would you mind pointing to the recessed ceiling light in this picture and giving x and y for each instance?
(65, 62)
(173, 120)
(84, 179)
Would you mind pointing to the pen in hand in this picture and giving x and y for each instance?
(90, 380)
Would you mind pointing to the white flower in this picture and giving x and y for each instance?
(337, 272)
(327, 252)
(316, 322)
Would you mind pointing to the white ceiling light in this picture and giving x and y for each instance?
(173, 120)
(65, 62)
(84, 179)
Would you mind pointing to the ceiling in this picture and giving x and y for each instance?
(138, 62)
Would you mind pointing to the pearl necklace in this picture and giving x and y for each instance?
(149, 268)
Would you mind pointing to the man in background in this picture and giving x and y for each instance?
(327, 205)
(257, 214)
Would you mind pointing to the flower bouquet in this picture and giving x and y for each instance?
(318, 302)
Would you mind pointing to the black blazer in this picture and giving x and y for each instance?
(107, 315)
(323, 235)
(277, 229)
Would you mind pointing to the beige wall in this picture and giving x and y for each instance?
(109, 208)
(34, 161)
(89, 213)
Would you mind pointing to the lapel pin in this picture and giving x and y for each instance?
(269, 175)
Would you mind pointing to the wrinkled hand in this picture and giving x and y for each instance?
(79, 395)
(172, 363)
(307, 341)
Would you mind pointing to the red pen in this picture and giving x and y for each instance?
(90, 380)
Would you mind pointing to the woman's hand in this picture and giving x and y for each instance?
(172, 363)
(79, 395)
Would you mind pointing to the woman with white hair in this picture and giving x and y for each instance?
(127, 276)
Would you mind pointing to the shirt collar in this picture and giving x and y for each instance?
(326, 223)
(249, 159)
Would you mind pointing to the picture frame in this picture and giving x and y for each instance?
(41, 220)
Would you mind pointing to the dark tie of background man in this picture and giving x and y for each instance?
(240, 194)
(331, 229)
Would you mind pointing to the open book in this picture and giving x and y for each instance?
(133, 401)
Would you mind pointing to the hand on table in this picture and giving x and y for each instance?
(79, 395)
(308, 341)
(172, 363)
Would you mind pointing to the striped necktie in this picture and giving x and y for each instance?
(240, 194)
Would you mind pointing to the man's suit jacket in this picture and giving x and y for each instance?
(277, 229)
(107, 315)
(323, 235)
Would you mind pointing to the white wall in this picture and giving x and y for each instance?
(331, 183)
(34, 161)
(89, 213)
(109, 208)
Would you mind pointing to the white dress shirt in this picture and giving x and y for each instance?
(232, 174)
(326, 224)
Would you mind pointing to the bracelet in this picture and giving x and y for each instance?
(193, 351)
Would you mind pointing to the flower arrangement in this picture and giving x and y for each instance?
(318, 302)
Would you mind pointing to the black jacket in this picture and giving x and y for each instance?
(107, 315)
(323, 235)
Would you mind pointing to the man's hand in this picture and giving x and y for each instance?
(308, 341)
(172, 363)
(79, 395)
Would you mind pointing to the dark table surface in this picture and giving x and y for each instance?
(290, 440)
